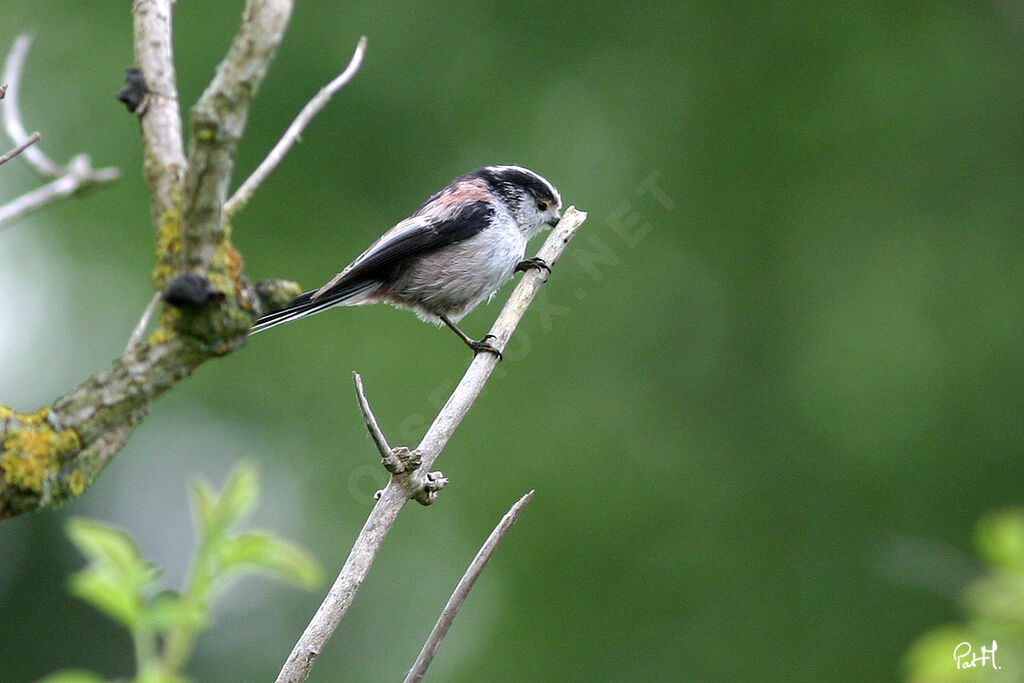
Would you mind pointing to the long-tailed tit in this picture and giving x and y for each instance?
(455, 251)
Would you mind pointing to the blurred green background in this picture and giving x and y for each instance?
(763, 400)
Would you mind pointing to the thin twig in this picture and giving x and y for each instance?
(18, 149)
(455, 602)
(389, 456)
(294, 132)
(77, 176)
(483, 364)
(143, 324)
(370, 419)
(399, 489)
(36, 199)
(14, 66)
(218, 122)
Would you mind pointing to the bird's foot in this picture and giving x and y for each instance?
(482, 345)
(535, 263)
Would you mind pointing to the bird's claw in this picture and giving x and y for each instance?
(482, 345)
(535, 263)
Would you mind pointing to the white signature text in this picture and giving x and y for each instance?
(966, 658)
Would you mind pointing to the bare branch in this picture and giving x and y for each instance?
(370, 419)
(37, 199)
(395, 460)
(160, 114)
(455, 602)
(18, 149)
(143, 324)
(77, 176)
(244, 193)
(402, 487)
(218, 121)
(14, 65)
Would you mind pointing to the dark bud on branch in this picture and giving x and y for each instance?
(191, 290)
(134, 91)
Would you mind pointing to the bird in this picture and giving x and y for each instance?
(451, 254)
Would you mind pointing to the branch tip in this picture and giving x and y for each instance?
(293, 133)
(458, 598)
(18, 149)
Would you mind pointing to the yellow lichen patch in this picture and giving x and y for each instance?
(168, 246)
(31, 453)
(169, 317)
(168, 237)
(35, 419)
(160, 335)
(5, 412)
(77, 483)
(232, 260)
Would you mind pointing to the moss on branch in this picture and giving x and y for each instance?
(54, 454)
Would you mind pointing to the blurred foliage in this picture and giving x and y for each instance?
(763, 399)
(164, 624)
(994, 603)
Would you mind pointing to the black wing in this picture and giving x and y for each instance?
(415, 235)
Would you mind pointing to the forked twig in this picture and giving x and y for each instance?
(389, 458)
(455, 602)
(67, 180)
(245, 191)
(401, 487)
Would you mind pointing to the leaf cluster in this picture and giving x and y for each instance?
(164, 624)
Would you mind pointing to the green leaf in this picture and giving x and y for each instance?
(116, 578)
(107, 594)
(168, 610)
(105, 544)
(240, 493)
(265, 551)
(204, 506)
(997, 595)
(158, 676)
(215, 513)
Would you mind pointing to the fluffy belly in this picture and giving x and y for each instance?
(457, 278)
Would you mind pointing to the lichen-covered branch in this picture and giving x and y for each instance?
(405, 485)
(54, 453)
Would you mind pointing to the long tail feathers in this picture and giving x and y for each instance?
(304, 305)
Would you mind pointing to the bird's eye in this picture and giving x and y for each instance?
(543, 204)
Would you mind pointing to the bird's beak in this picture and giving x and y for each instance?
(554, 221)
